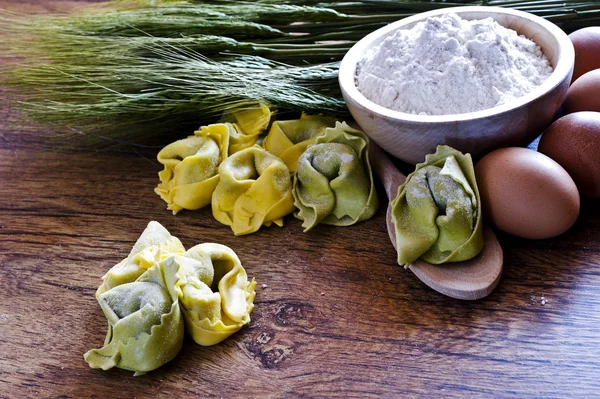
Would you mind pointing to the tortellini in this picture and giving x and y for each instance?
(249, 123)
(204, 290)
(437, 213)
(145, 327)
(334, 182)
(191, 167)
(289, 139)
(216, 296)
(241, 173)
(154, 245)
(254, 190)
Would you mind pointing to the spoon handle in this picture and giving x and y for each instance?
(384, 168)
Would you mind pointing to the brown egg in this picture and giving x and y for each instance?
(586, 42)
(574, 142)
(526, 194)
(584, 93)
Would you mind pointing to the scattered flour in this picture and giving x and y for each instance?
(449, 65)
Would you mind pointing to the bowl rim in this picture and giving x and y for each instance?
(562, 70)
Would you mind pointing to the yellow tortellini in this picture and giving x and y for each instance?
(437, 213)
(334, 182)
(215, 294)
(154, 245)
(254, 190)
(145, 326)
(289, 139)
(191, 165)
(150, 303)
(249, 123)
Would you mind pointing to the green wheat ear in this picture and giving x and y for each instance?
(130, 70)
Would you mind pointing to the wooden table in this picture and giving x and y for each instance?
(335, 315)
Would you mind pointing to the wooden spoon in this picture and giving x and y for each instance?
(472, 279)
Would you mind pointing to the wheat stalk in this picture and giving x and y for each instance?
(131, 69)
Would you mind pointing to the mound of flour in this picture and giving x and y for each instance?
(449, 65)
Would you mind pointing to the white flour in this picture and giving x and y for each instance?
(448, 65)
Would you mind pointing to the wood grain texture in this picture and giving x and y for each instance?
(338, 317)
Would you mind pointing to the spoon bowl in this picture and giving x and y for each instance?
(473, 279)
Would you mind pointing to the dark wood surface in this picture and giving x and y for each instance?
(337, 318)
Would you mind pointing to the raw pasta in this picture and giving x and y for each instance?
(249, 124)
(154, 245)
(145, 327)
(204, 290)
(334, 182)
(245, 183)
(289, 139)
(254, 190)
(215, 294)
(191, 165)
(437, 213)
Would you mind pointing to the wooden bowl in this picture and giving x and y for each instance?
(410, 137)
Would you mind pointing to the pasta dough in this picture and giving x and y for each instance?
(334, 182)
(249, 123)
(154, 245)
(289, 139)
(216, 296)
(190, 172)
(204, 289)
(254, 190)
(437, 213)
(245, 183)
(145, 327)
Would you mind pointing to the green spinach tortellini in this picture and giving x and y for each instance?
(333, 183)
(191, 166)
(145, 326)
(154, 245)
(215, 294)
(437, 213)
(254, 190)
(289, 139)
